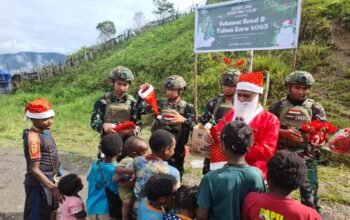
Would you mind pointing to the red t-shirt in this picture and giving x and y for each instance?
(263, 206)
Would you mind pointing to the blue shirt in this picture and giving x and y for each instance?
(97, 203)
(147, 212)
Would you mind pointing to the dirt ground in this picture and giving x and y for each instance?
(11, 181)
(12, 190)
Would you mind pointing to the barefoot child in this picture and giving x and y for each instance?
(134, 147)
(72, 206)
(42, 195)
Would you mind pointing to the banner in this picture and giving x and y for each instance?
(242, 25)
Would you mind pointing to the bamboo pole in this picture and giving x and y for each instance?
(267, 85)
(195, 85)
(294, 59)
(250, 60)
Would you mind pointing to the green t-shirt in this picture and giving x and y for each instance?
(222, 191)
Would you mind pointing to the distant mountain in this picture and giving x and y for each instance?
(27, 60)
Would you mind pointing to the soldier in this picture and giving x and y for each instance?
(178, 117)
(293, 110)
(116, 106)
(220, 105)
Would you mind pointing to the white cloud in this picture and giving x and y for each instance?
(65, 25)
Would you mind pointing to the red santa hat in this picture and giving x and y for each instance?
(252, 82)
(39, 109)
(149, 95)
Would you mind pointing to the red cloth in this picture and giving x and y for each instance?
(265, 128)
(216, 154)
(267, 206)
(125, 126)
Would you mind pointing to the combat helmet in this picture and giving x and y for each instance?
(300, 77)
(121, 73)
(230, 77)
(174, 82)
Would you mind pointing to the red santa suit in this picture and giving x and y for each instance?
(265, 128)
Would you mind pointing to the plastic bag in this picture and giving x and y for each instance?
(340, 142)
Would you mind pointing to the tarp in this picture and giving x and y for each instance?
(4, 80)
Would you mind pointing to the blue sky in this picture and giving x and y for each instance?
(64, 26)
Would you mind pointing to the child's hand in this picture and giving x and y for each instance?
(116, 178)
(55, 194)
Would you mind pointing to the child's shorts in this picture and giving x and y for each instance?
(125, 193)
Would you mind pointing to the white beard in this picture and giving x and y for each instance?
(245, 110)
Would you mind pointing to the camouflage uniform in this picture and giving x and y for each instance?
(110, 109)
(217, 107)
(180, 131)
(292, 113)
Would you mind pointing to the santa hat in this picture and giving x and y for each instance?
(149, 96)
(252, 82)
(287, 23)
(39, 109)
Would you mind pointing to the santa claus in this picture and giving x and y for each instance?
(265, 125)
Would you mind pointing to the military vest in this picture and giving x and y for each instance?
(221, 108)
(175, 129)
(292, 116)
(117, 112)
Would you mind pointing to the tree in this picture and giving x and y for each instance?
(106, 29)
(164, 8)
(139, 20)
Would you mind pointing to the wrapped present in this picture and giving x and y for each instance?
(340, 142)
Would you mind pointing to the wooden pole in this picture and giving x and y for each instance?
(8, 68)
(195, 85)
(250, 60)
(267, 85)
(294, 59)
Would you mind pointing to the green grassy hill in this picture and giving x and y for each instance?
(168, 49)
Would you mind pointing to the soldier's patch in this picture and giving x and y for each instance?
(34, 146)
(295, 114)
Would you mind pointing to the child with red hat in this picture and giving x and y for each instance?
(41, 155)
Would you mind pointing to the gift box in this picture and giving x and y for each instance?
(198, 146)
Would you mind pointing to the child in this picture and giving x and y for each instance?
(162, 144)
(159, 192)
(286, 171)
(134, 147)
(72, 206)
(221, 192)
(185, 203)
(42, 160)
(100, 176)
